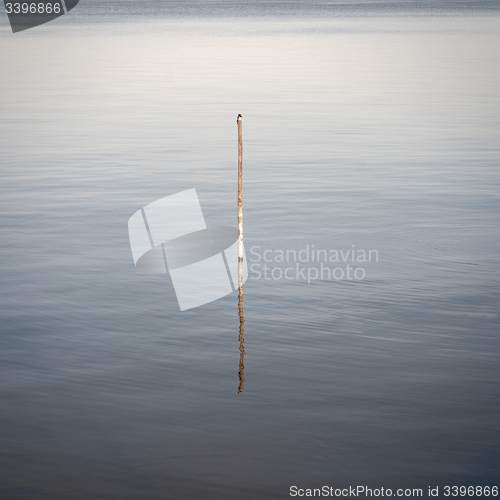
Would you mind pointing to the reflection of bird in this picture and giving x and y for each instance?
(238, 118)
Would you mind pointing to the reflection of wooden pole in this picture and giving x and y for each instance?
(241, 339)
(240, 254)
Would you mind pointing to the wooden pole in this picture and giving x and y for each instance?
(240, 202)
(240, 254)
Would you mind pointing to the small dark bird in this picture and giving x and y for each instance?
(238, 118)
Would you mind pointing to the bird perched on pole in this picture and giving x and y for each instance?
(238, 118)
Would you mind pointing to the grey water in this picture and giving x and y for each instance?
(366, 126)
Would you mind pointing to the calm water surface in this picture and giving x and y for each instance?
(369, 124)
